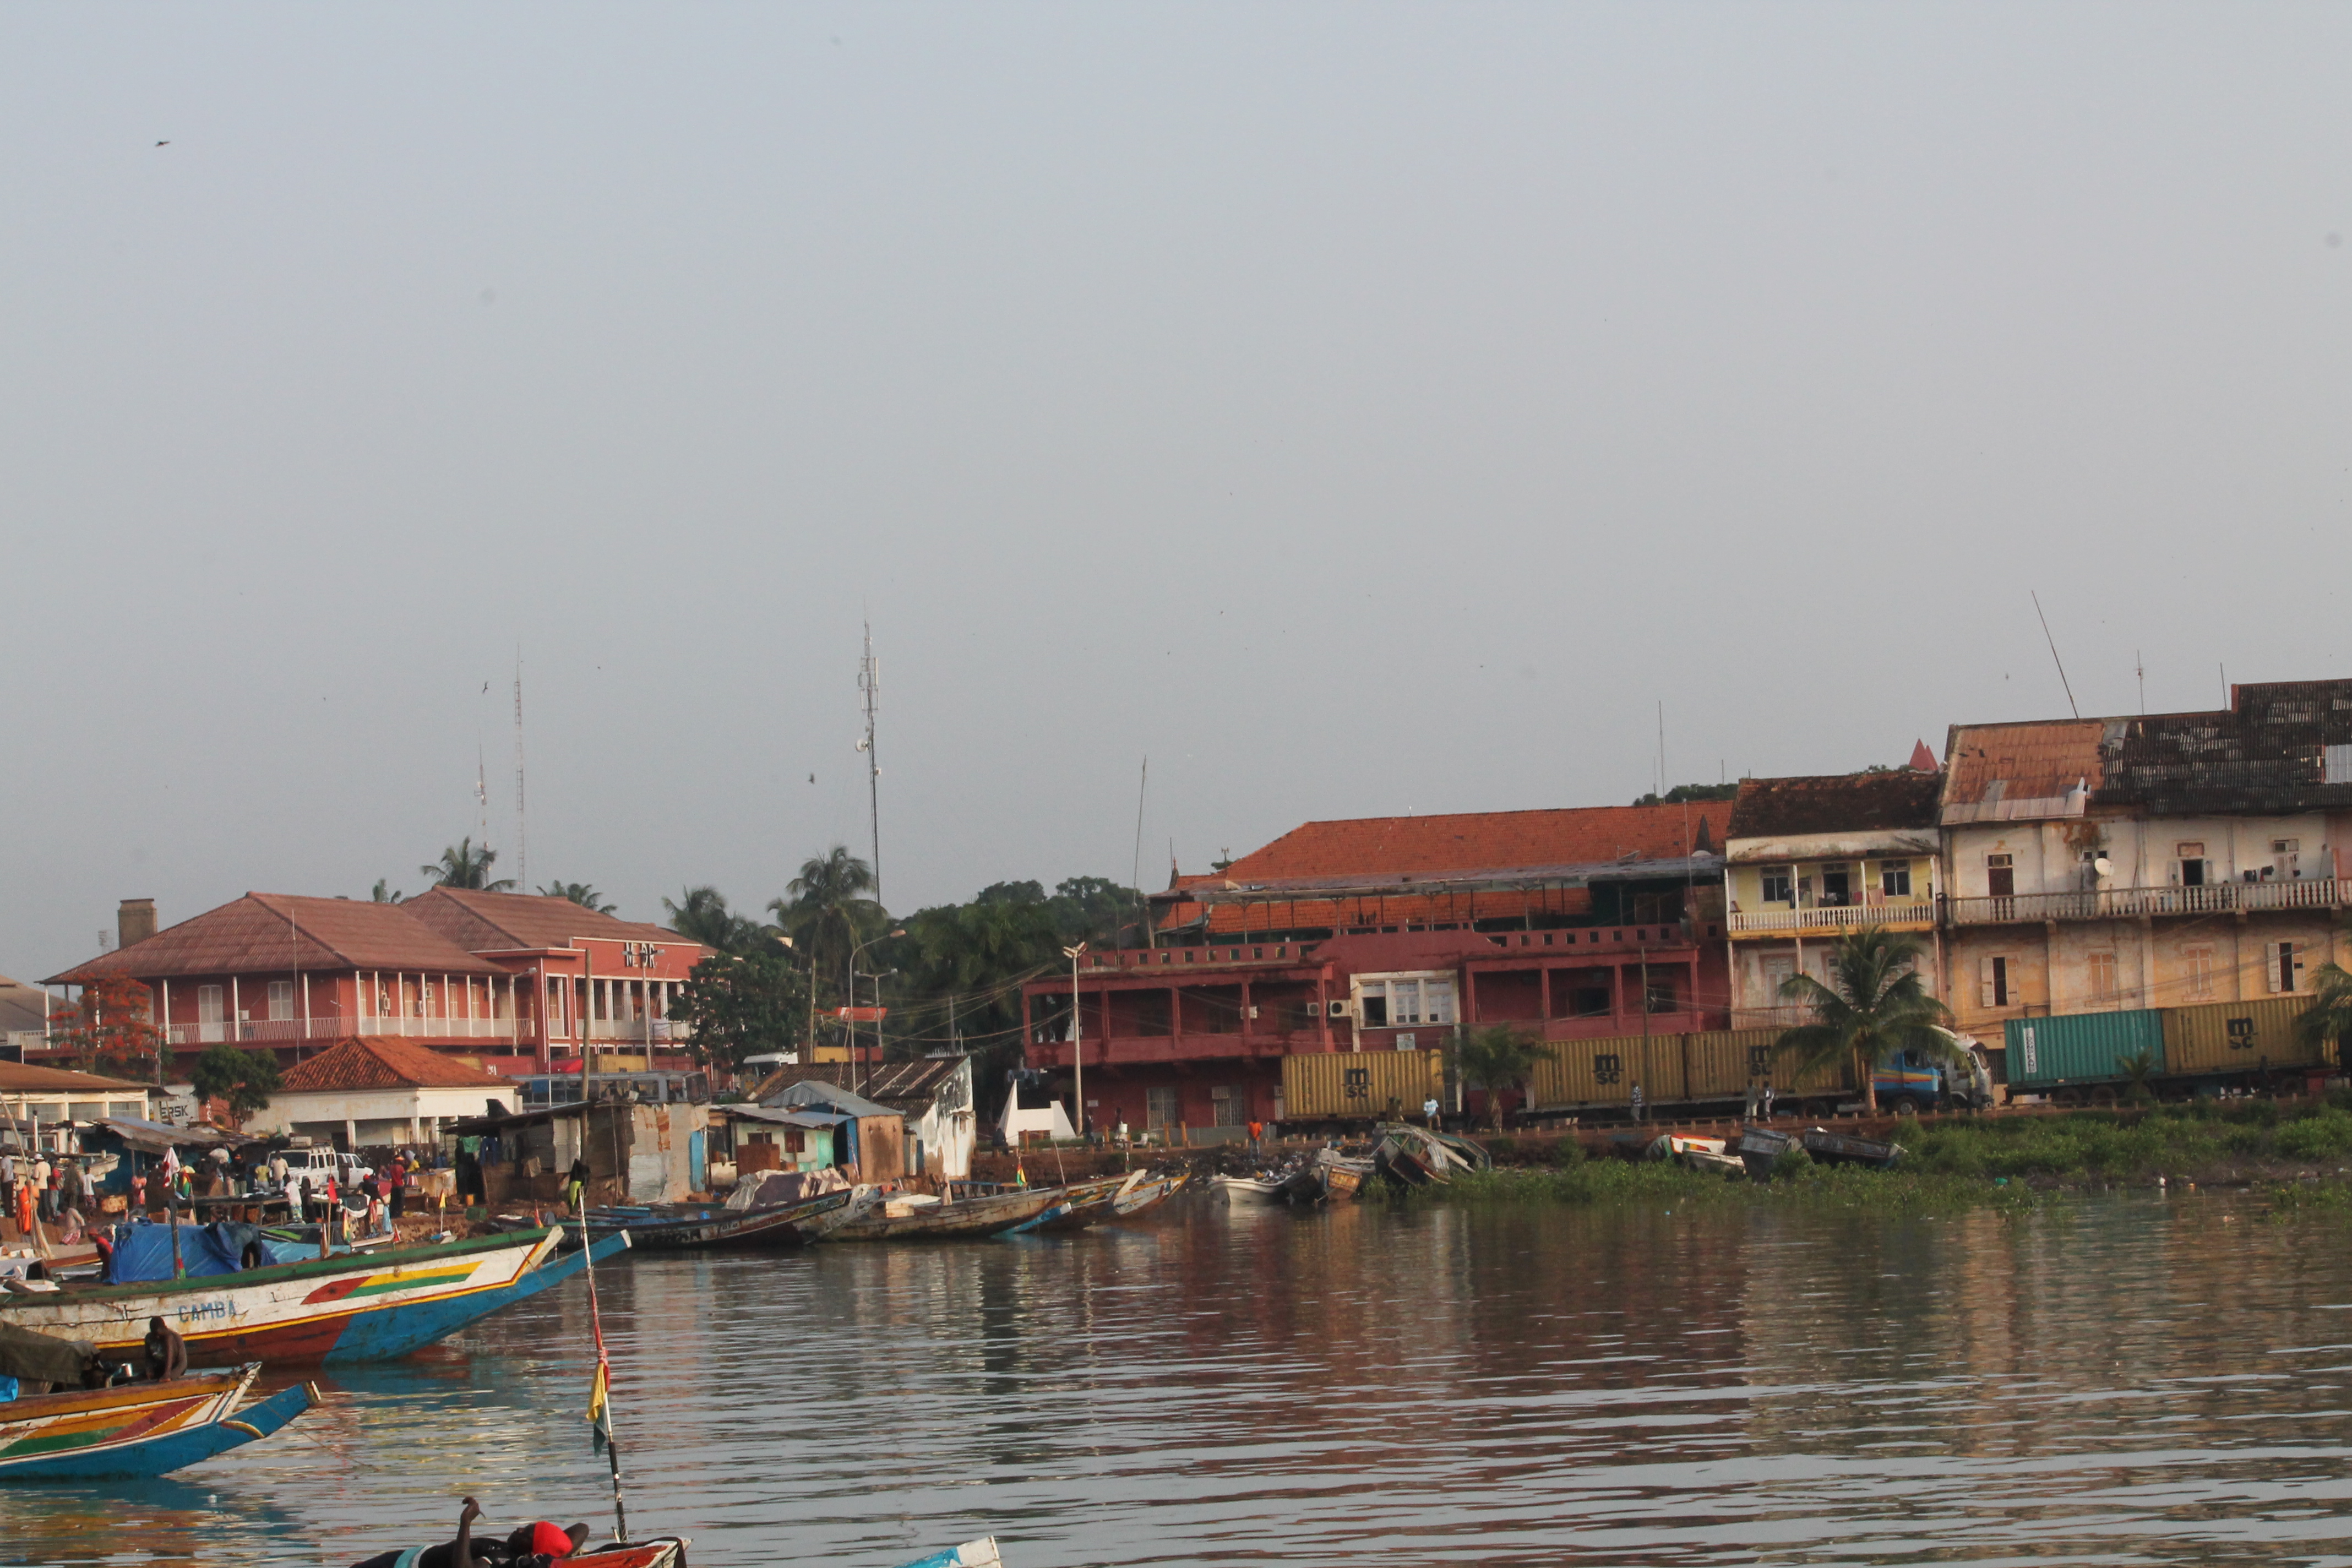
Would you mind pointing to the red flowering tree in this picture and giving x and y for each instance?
(111, 1031)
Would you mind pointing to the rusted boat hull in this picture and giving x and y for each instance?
(965, 1219)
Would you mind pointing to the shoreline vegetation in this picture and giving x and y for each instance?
(2297, 1153)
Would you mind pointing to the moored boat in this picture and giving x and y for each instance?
(347, 1307)
(1245, 1190)
(1759, 1147)
(713, 1227)
(1838, 1149)
(1156, 1186)
(980, 1553)
(139, 1429)
(901, 1220)
(1080, 1204)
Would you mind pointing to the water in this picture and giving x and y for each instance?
(2115, 1380)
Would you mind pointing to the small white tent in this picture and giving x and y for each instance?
(1050, 1119)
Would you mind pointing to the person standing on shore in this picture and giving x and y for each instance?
(44, 1197)
(1768, 1100)
(1256, 1139)
(1429, 1112)
(1637, 1102)
(1747, 1107)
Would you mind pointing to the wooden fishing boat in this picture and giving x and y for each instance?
(1245, 1190)
(712, 1227)
(139, 1429)
(1405, 1166)
(1340, 1177)
(1760, 1147)
(980, 1553)
(661, 1552)
(1080, 1204)
(964, 1217)
(347, 1307)
(1837, 1149)
(1156, 1187)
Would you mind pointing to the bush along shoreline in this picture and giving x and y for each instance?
(2299, 1152)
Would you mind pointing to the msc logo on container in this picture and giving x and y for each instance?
(2241, 1033)
(1357, 1082)
(1608, 1068)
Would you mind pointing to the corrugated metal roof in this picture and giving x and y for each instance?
(276, 932)
(384, 1061)
(1834, 802)
(2003, 773)
(28, 1079)
(902, 1086)
(810, 1092)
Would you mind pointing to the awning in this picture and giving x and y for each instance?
(784, 1117)
(156, 1135)
(809, 1092)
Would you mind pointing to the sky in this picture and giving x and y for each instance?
(1352, 409)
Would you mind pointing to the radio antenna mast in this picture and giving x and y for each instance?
(2053, 654)
(869, 690)
(522, 836)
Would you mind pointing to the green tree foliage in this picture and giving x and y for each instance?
(704, 916)
(580, 893)
(1497, 1058)
(384, 893)
(829, 911)
(2138, 1068)
(743, 1007)
(245, 1079)
(1682, 793)
(1872, 1006)
(2329, 1019)
(462, 865)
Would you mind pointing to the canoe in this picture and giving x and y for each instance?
(139, 1429)
(1836, 1148)
(348, 1307)
(1245, 1190)
(1080, 1204)
(980, 1553)
(964, 1219)
(1156, 1188)
(711, 1227)
(661, 1552)
(1759, 1147)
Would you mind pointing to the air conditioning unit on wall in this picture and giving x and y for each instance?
(1339, 1010)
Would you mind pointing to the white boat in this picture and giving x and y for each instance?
(1245, 1190)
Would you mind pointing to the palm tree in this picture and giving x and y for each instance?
(1872, 1006)
(580, 893)
(1498, 1057)
(384, 893)
(826, 911)
(462, 865)
(2329, 1017)
(704, 917)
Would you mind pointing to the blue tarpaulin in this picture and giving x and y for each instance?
(142, 1250)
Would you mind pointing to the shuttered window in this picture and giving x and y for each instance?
(2283, 965)
(1993, 982)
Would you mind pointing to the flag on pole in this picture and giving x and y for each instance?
(600, 1415)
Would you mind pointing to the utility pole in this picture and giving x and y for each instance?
(522, 836)
(1077, 1034)
(869, 690)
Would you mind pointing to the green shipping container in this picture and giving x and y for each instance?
(2081, 1047)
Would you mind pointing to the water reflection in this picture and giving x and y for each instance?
(2120, 1379)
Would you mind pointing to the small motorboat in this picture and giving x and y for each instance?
(1710, 1154)
(1081, 1204)
(1139, 1195)
(1245, 1190)
(1760, 1148)
(135, 1430)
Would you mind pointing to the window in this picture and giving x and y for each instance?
(1376, 1006)
(2001, 877)
(1663, 996)
(1228, 1106)
(2197, 972)
(1779, 970)
(210, 1002)
(1160, 1107)
(2195, 870)
(2286, 857)
(2283, 965)
(281, 999)
(1437, 1000)
(2101, 968)
(1779, 884)
(1837, 885)
(795, 1140)
(1993, 982)
(2338, 763)
(1895, 878)
(1404, 1001)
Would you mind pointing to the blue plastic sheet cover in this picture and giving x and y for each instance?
(142, 1250)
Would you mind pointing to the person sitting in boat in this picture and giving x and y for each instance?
(530, 1546)
(167, 1352)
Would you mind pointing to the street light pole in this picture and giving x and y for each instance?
(1078, 1036)
(856, 1077)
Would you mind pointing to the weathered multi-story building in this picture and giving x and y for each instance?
(1809, 861)
(2103, 864)
(1390, 933)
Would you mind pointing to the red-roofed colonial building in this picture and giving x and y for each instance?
(507, 982)
(1389, 933)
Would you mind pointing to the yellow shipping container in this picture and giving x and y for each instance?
(1360, 1086)
(2237, 1037)
(1603, 1072)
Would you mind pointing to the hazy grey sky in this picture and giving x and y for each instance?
(1358, 408)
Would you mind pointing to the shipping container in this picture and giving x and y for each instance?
(2082, 1047)
(1722, 1063)
(1360, 1086)
(1603, 1072)
(2236, 1036)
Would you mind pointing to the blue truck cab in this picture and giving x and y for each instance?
(1907, 1082)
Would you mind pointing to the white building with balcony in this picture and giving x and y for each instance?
(1808, 860)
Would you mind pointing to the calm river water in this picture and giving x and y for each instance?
(2117, 1379)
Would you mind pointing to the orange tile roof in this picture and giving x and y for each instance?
(384, 1061)
(489, 923)
(276, 933)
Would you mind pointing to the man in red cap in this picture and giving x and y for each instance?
(544, 1540)
(535, 1544)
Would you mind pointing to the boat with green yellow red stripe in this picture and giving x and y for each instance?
(352, 1306)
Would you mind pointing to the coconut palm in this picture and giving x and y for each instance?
(828, 909)
(1872, 1006)
(1498, 1057)
(462, 865)
(2329, 1017)
(580, 893)
(704, 917)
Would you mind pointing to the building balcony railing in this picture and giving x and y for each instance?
(657, 1029)
(290, 1031)
(1895, 914)
(2127, 903)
